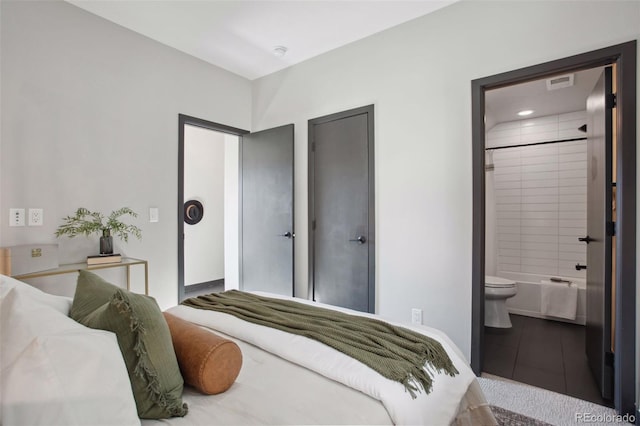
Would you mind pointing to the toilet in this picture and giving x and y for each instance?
(496, 292)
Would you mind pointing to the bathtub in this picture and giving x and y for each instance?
(527, 300)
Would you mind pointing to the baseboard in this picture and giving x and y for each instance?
(195, 288)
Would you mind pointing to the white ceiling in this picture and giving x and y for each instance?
(240, 36)
(503, 104)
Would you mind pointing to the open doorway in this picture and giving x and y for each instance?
(208, 207)
(211, 209)
(537, 185)
(624, 352)
(243, 182)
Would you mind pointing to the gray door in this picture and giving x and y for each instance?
(599, 210)
(341, 209)
(266, 251)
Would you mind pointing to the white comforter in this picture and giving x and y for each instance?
(439, 407)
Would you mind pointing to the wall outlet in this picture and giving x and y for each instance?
(16, 217)
(36, 217)
(416, 316)
(154, 215)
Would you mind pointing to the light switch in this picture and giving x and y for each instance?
(154, 216)
(16, 217)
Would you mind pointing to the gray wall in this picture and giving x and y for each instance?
(419, 75)
(90, 118)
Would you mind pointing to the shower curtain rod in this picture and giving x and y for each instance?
(536, 143)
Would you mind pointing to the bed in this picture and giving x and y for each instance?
(57, 371)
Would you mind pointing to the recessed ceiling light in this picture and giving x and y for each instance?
(280, 51)
(525, 112)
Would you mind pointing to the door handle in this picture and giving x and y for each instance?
(579, 266)
(586, 239)
(288, 235)
(360, 239)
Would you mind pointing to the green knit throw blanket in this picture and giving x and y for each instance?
(396, 353)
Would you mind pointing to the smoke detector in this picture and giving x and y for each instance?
(280, 51)
(560, 82)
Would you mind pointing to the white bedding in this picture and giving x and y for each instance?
(438, 407)
(285, 379)
(272, 391)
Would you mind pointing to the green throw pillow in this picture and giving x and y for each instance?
(144, 339)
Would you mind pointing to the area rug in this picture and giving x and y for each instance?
(509, 418)
(535, 404)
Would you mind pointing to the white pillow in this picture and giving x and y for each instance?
(57, 381)
(23, 318)
(55, 371)
(59, 303)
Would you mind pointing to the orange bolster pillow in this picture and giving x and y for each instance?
(208, 362)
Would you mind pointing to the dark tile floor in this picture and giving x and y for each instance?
(542, 353)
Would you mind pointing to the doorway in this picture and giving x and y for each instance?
(250, 244)
(208, 206)
(623, 57)
(341, 209)
(540, 135)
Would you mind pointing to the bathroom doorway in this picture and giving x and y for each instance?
(537, 253)
(536, 213)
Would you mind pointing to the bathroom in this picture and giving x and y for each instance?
(536, 221)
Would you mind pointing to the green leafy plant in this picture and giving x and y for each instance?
(86, 222)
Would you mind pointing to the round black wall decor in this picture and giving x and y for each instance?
(193, 212)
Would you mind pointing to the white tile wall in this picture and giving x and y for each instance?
(540, 194)
(541, 129)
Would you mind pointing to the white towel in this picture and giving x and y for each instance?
(559, 300)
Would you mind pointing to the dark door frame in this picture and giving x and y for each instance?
(624, 56)
(369, 110)
(210, 125)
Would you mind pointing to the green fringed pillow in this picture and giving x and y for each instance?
(144, 340)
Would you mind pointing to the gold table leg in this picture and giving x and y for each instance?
(146, 278)
(128, 277)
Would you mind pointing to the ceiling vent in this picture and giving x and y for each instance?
(560, 82)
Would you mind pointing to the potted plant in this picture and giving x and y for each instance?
(87, 222)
